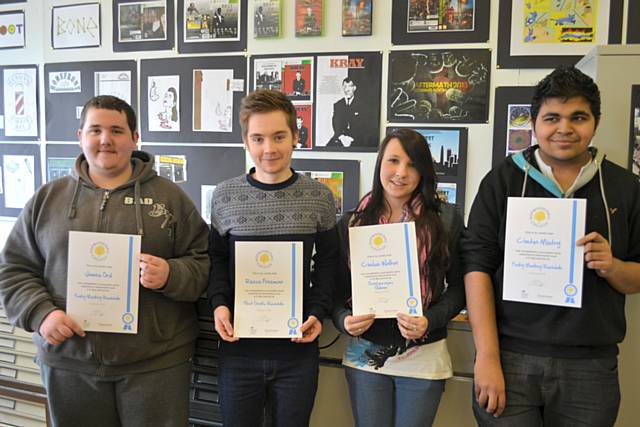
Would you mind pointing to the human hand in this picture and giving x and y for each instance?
(57, 327)
(222, 323)
(154, 271)
(597, 254)
(489, 385)
(311, 328)
(412, 327)
(358, 325)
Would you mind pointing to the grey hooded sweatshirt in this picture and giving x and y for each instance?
(33, 267)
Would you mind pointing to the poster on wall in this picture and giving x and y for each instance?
(114, 83)
(12, 29)
(164, 103)
(65, 82)
(292, 76)
(439, 86)
(357, 17)
(309, 17)
(19, 179)
(634, 138)
(20, 102)
(173, 167)
(548, 33)
(347, 101)
(512, 121)
(304, 124)
(142, 21)
(75, 26)
(267, 18)
(58, 167)
(212, 100)
(211, 20)
(519, 128)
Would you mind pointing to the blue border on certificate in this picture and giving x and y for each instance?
(128, 317)
(412, 302)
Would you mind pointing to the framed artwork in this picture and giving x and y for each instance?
(309, 18)
(512, 122)
(633, 15)
(12, 29)
(19, 103)
(212, 25)
(546, 33)
(341, 176)
(634, 137)
(439, 86)
(448, 147)
(20, 176)
(357, 17)
(61, 160)
(142, 25)
(439, 21)
(267, 19)
(76, 26)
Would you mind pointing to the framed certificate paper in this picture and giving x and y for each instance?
(542, 263)
(103, 281)
(268, 291)
(384, 270)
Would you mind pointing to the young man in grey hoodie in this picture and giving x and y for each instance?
(110, 378)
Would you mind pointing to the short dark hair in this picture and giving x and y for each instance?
(266, 101)
(348, 80)
(566, 82)
(108, 102)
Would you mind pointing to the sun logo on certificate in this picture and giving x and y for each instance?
(99, 251)
(264, 259)
(539, 217)
(378, 241)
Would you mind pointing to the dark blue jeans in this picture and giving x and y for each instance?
(246, 382)
(547, 391)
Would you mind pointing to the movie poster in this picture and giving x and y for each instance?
(304, 124)
(309, 17)
(267, 18)
(439, 86)
(211, 20)
(142, 21)
(356, 17)
(291, 76)
(440, 15)
(519, 128)
(347, 102)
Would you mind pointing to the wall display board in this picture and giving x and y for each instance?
(549, 33)
(634, 137)
(212, 26)
(439, 86)
(20, 176)
(143, 25)
(439, 21)
(60, 160)
(71, 84)
(309, 18)
(341, 176)
(75, 26)
(191, 168)
(19, 105)
(267, 19)
(448, 146)
(194, 99)
(357, 17)
(12, 29)
(512, 122)
(633, 16)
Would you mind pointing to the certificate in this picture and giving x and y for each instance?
(268, 291)
(542, 263)
(384, 270)
(103, 281)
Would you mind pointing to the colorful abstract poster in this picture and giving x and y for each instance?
(75, 26)
(211, 20)
(356, 17)
(291, 76)
(212, 100)
(440, 15)
(142, 21)
(309, 17)
(20, 102)
(267, 18)
(304, 124)
(439, 86)
(333, 180)
(12, 30)
(519, 128)
(164, 103)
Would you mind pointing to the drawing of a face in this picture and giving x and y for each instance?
(169, 99)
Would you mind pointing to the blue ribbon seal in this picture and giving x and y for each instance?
(292, 324)
(570, 291)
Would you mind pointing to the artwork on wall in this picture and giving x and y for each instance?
(142, 25)
(212, 100)
(75, 26)
(267, 18)
(633, 16)
(439, 86)
(357, 17)
(212, 25)
(309, 18)
(292, 76)
(12, 29)
(439, 21)
(20, 175)
(60, 160)
(163, 102)
(304, 124)
(548, 33)
(512, 121)
(634, 137)
(19, 99)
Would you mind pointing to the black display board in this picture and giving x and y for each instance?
(633, 26)
(62, 106)
(4, 137)
(124, 42)
(184, 68)
(33, 168)
(510, 122)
